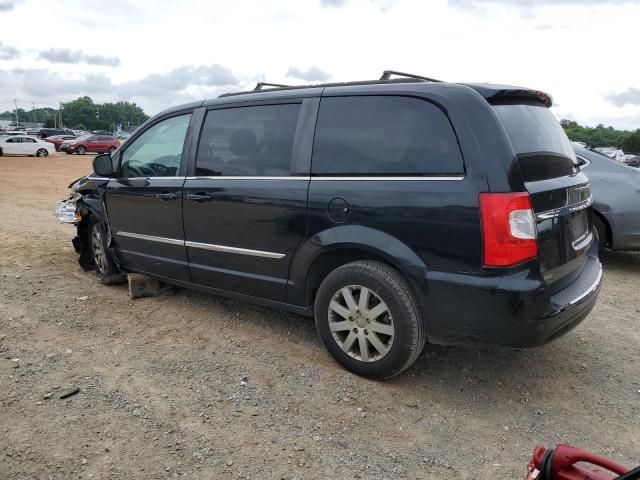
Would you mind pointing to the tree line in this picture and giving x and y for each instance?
(601, 136)
(83, 114)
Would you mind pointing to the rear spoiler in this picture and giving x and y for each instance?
(507, 94)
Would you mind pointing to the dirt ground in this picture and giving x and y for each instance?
(159, 378)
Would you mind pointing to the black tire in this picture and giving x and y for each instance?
(107, 272)
(0, 152)
(42, 153)
(603, 233)
(403, 318)
(111, 150)
(81, 150)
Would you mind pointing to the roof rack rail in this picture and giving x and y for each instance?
(259, 85)
(386, 75)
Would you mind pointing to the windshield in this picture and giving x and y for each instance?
(83, 137)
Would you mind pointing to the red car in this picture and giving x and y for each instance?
(58, 139)
(91, 143)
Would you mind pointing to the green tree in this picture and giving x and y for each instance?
(631, 142)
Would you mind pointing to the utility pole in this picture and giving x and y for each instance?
(60, 113)
(17, 119)
(33, 111)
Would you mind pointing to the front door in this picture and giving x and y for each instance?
(144, 204)
(245, 210)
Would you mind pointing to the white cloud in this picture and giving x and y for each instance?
(313, 74)
(631, 96)
(66, 55)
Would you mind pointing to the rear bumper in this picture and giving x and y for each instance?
(513, 310)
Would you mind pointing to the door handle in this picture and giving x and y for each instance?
(166, 196)
(198, 197)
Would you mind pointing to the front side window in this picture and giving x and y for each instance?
(158, 151)
(248, 141)
(14, 140)
(384, 135)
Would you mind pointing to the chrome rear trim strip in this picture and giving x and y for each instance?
(570, 209)
(581, 243)
(240, 251)
(151, 238)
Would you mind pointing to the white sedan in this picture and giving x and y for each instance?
(24, 145)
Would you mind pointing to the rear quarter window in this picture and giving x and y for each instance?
(384, 135)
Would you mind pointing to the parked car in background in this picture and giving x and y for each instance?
(611, 152)
(122, 135)
(48, 132)
(632, 160)
(616, 199)
(24, 145)
(11, 133)
(91, 143)
(33, 131)
(394, 211)
(101, 132)
(57, 140)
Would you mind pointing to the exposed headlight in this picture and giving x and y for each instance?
(65, 212)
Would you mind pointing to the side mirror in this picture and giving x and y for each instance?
(103, 165)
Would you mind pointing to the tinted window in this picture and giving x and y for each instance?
(158, 151)
(542, 147)
(533, 129)
(14, 140)
(28, 140)
(248, 141)
(384, 135)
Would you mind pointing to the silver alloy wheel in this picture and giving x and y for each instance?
(361, 323)
(99, 255)
(42, 153)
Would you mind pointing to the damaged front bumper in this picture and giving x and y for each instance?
(65, 212)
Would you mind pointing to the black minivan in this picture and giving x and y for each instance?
(394, 211)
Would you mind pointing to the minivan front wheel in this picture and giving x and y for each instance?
(369, 320)
(107, 272)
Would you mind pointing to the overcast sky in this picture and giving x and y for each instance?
(159, 54)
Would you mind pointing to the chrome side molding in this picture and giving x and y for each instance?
(150, 238)
(203, 246)
(240, 251)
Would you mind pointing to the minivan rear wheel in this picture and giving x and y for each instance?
(369, 320)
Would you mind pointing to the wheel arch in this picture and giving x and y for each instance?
(337, 246)
(607, 225)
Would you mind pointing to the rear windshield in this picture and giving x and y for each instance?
(542, 147)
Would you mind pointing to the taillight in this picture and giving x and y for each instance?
(508, 229)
